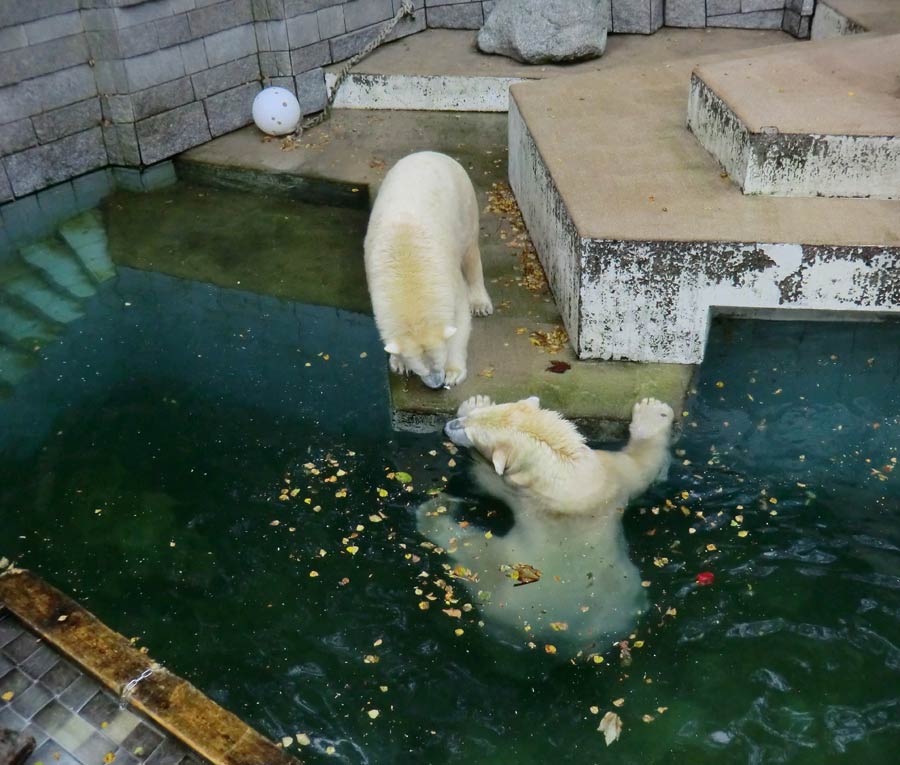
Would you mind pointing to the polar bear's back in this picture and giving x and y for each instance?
(433, 191)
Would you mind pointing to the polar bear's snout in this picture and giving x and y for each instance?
(434, 379)
(455, 430)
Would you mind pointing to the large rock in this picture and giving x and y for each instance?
(541, 31)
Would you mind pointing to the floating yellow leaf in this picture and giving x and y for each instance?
(711, 547)
(595, 710)
(618, 702)
(648, 718)
(559, 626)
(353, 549)
(302, 739)
(550, 648)
(742, 534)
(370, 659)
(458, 631)
(597, 658)
(108, 757)
(638, 643)
(313, 574)
(402, 477)
(286, 741)
(373, 713)
(454, 613)
(8, 696)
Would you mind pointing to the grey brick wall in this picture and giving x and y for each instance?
(87, 83)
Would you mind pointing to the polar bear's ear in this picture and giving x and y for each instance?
(392, 348)
(499, 458)
(449, 332)
(534, 402)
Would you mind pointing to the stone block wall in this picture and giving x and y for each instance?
(89, 83)
(792, 16)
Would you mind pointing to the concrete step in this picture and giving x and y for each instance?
(441, 69)
(818, 119)
(60, 266)
(23, 288)
(21, 327)
(835, 18)
(642, 238)
(14, 365)
(86, 235)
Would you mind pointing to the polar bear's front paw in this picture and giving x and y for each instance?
(480, 303)
(650, 418)
(454, 375)
(472, 403)
(397, 365)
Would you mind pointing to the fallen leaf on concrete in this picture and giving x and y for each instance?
(558, 367)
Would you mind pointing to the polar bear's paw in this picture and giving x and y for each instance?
(454, 375)
(397, 365)
(480, 303)
(472, 403)
(651, 418)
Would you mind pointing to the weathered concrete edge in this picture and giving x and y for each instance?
(652, 300)
(792, 164)
(443, 93)
(171, 702)
(828, 23)
(600, 430)
(550, 226)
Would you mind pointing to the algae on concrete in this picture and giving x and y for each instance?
(270, 245)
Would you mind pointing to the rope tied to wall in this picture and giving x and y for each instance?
(406, 9)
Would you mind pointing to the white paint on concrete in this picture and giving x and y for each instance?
(827, 165)
(828, 23)
(793, 165)
(549, 225)
(422, 92)
(718, 130)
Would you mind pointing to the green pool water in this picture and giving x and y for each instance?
(213, 472)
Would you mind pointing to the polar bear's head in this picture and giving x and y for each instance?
(521, 440)
(424, 354)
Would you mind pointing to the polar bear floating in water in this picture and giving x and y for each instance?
(562, 573)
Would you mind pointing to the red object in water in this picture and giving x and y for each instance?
(705, 578)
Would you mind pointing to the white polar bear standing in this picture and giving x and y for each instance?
(423, 267)
(567, 501)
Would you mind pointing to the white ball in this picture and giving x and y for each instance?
(276, 111)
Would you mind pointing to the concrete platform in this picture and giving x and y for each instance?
(642, 236)
(355, 148)
(835, 18)
(441, 69)
(820, 119)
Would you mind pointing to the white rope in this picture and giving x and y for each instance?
(406, 9)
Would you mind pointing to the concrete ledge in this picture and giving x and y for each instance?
(171, 702)
(832, 129)
(422, 93)
(641, 245)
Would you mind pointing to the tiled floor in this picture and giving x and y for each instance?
(73, 719)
